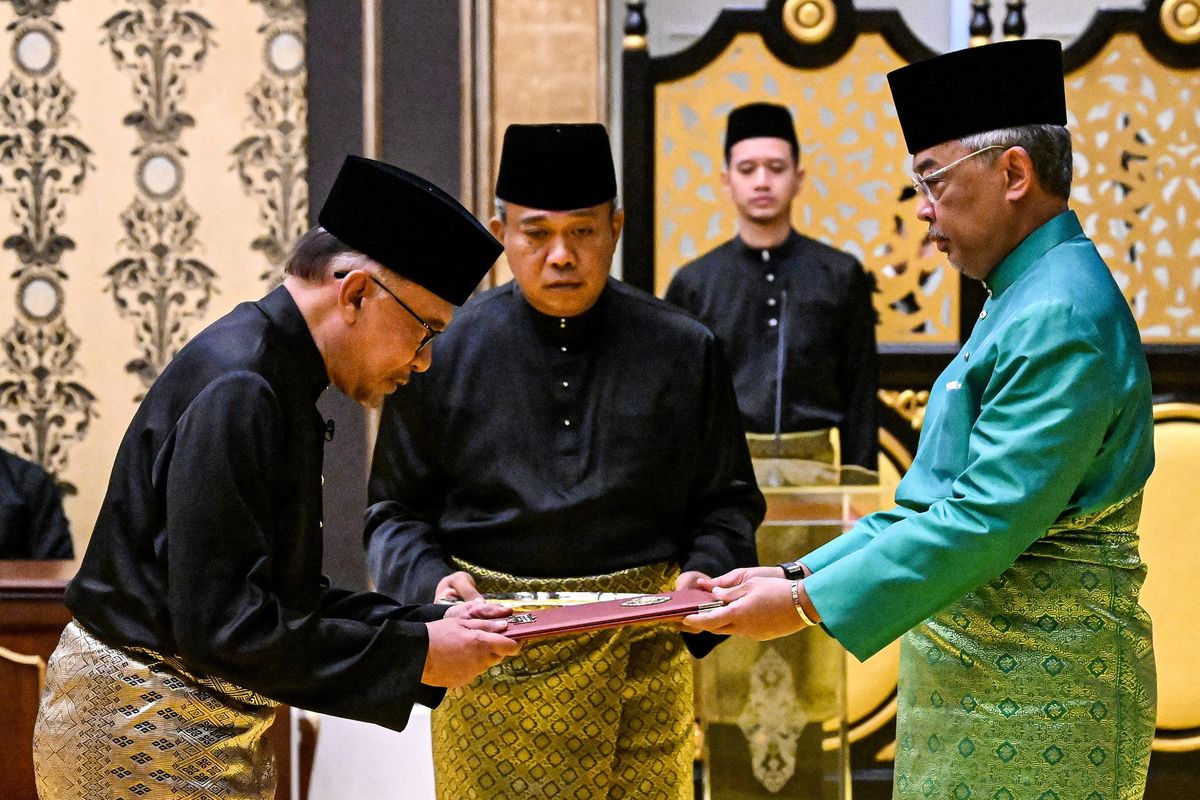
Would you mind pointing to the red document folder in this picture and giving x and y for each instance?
(609, 613)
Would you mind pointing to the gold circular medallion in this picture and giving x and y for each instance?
(809, 21)
(647, 600)
(1181, 20)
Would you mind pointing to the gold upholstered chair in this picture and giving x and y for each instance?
(1170, 529)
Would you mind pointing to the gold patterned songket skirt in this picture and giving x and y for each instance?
(604, 714)
(131, 726)
(1040, 684)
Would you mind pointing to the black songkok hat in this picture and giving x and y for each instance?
(409, 226)
(760, 119)
(556, 167)
(1001, 85)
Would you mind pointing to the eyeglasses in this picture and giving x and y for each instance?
(430, 332)
(922, 184)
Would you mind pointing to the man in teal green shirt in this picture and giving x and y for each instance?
(1009, 565)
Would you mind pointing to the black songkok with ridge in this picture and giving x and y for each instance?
(556, 167)
(755, 120)
(1001, 85)
(409, 226)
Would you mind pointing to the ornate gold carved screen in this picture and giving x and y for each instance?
(1136, 125)
(1134, 112)
(1136, 133)
(854, 191)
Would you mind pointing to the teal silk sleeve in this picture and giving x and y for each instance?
(863, 532)
(1018, 422)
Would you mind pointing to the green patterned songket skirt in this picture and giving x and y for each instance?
(1039, 685)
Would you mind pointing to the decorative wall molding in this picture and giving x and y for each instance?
(272, 162)
(160, 285)
(44, 410)
(111, 260)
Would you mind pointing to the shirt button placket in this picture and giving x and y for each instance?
(566, 404)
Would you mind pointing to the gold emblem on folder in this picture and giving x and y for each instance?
(648, 600)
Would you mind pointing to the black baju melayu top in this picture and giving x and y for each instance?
(830, 365)
(208, 543)
(32, 523)
(552, 447)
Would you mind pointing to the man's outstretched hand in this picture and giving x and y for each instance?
(461, 646)
(758, 604)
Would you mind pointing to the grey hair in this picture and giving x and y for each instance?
(501, 207)
(314, 253)
(1049, 148)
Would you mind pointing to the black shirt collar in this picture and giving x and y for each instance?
(785, 249)
(306, 365)
(565, 330)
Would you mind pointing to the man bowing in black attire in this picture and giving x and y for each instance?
(200, 604)
(587, 440)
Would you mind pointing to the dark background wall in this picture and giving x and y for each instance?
(422, 90)
(420, 120)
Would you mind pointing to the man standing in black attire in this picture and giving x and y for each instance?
(793, 315)
(200, 603)
(585, 439)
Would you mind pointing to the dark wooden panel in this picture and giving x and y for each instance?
(335, 116)
(32, 617)
(422, 90)
(18, 711)
(333, 91)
